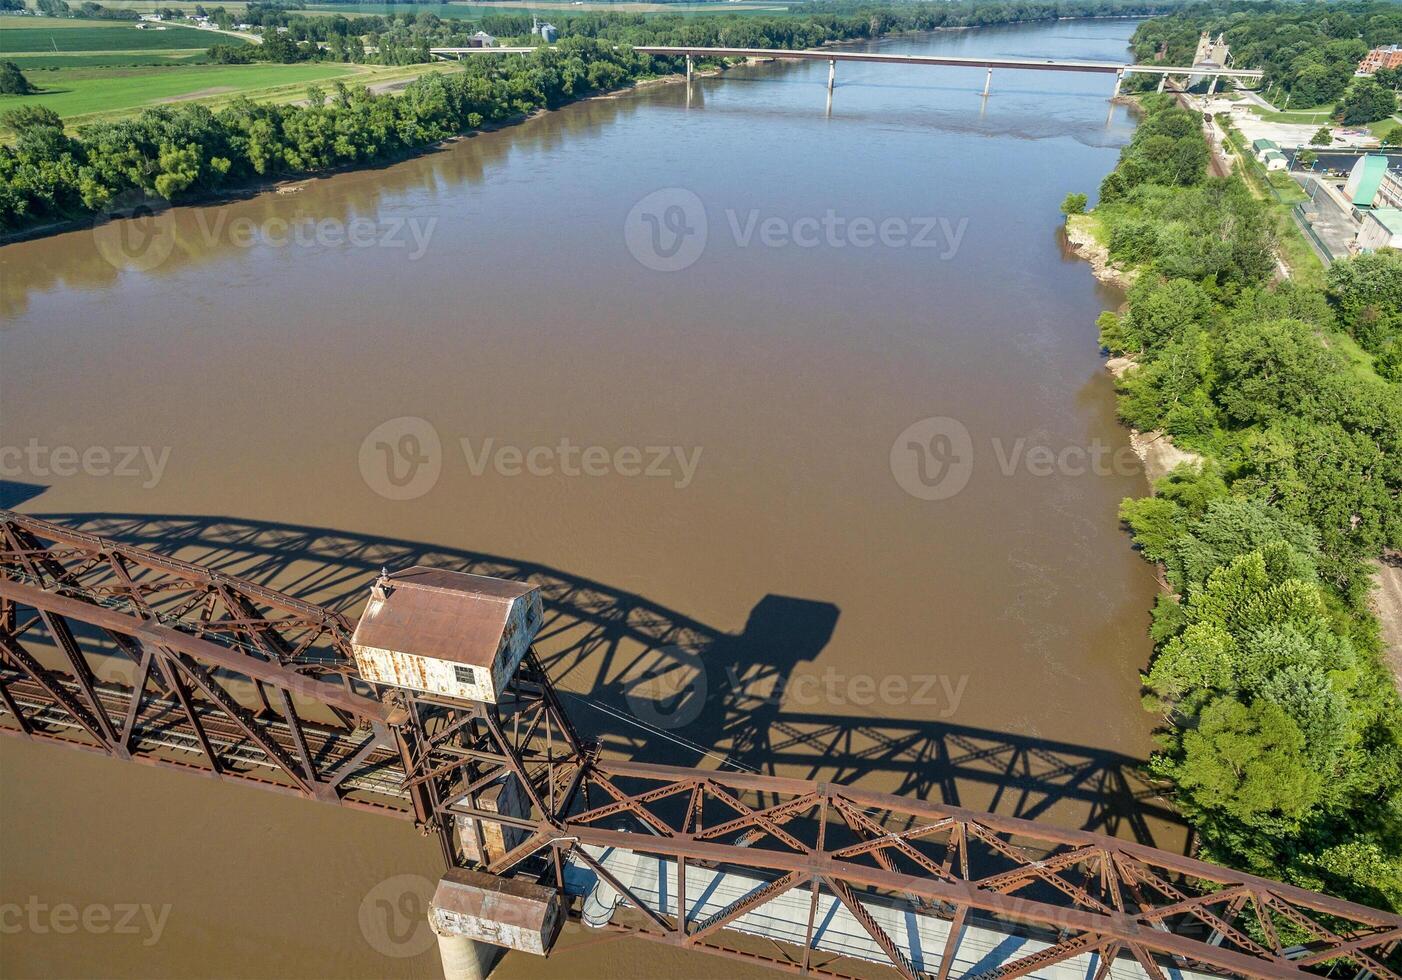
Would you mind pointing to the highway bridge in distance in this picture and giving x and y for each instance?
(1117, 69)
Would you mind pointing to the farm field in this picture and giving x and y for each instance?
(49, 35)
(187, 6)
(85, 94)
(50, 42)
(472, 10)
(38, 62)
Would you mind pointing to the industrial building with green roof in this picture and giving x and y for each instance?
(1363, 181)
(1382, 228)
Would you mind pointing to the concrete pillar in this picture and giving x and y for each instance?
(688, 69)
(988, 81)
(599, 905)
(1163, 80)
(832, 73)
(466, 959)
(1212, 89)
(1119, 80)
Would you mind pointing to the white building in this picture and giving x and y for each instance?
(1382, 228)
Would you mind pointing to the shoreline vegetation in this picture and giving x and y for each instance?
(1281, 725)
(51, 180)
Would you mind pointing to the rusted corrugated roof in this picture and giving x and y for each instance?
(433, 612)
(487, 896)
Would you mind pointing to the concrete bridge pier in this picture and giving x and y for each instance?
(1119, 81)
(1212, 89)
(832, 73)
(988, 81)
(465, 959)
(688, 69)
(1163, 80)
(599, 905)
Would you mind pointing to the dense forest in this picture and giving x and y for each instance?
(179, 153)
(1308, 50)
(1282, 729)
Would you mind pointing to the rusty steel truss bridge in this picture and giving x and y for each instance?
(123, 652)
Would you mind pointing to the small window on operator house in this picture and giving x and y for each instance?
(464, 675)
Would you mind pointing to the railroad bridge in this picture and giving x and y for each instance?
(437, 708)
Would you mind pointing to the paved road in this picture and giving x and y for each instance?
(1329, 215)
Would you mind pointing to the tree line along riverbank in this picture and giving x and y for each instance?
(178, 153)
(1281, 726)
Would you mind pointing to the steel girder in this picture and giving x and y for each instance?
(168, 664)
(513, 789)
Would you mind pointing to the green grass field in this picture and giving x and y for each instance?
(1322, 116)
(561, 7)
(38, 62)
(1318, 115)
(83, 94)
(49, 35)
(188, 6)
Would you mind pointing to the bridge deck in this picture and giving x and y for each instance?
(920, 937)
(1025, 64)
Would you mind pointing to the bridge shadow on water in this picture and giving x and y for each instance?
(656, 685)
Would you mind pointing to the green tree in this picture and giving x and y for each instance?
(1366, 101)
(31, 117)
(12, 80)
(1323, 136)
(1074, 204)
(1249, 762)
(1367, 292)
(1270, 369)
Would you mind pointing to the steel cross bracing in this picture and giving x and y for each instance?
(244, 683)
(167, 663)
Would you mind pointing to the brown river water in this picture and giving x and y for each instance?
(798, 413)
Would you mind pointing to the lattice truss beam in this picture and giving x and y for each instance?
(242, 682)
(524, 793)
(1074, 891)
(140, 657)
